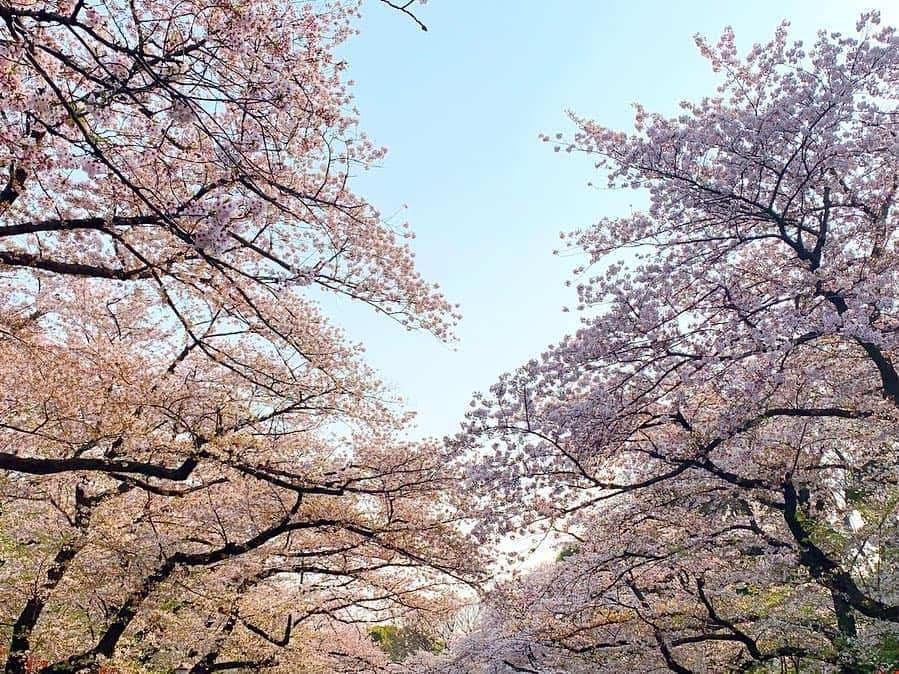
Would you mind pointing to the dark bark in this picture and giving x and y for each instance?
(39, 466)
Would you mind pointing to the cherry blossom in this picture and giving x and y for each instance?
(196, 466)
(708, 443)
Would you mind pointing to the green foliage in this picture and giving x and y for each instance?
(886, 653)
(172, 605)
(567, 551)
(857, 493)
(11, 548)
(401, 642)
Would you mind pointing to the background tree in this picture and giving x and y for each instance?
(718, 437)
(195, 466)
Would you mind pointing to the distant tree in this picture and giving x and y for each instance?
(426, 634)
(718, 439)
(195, 467)
(399, 642)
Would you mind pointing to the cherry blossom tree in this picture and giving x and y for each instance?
(195, 466)
(717, 442)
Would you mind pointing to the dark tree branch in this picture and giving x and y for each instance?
(38, 466)
(404, 8)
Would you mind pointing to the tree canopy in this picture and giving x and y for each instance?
(197, 467)
(718, 438)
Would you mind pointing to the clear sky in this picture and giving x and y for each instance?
(460, 108)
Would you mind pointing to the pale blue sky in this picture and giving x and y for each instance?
(460, 108)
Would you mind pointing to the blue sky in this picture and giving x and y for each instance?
(460, 108)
